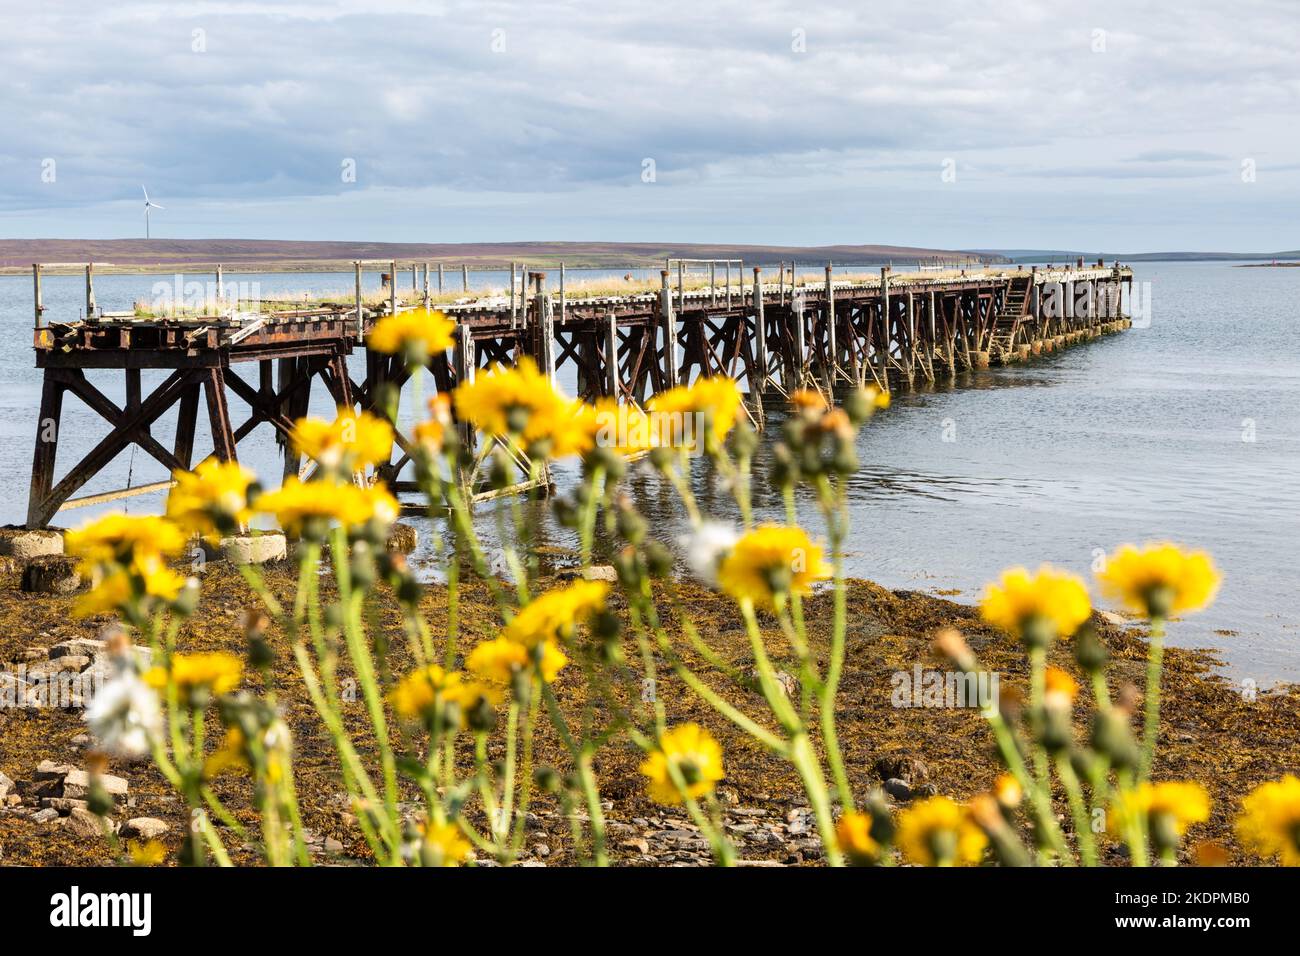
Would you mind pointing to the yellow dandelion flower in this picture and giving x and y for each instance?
(696, 756)
(417, 334)
(556, 612)
(772, 559)
(144, 582)
(120, 538)
(349, 443)
(496, 661)
(1059, 685)
(212, 499)
(1160, 579)
(231, 757)
(1037, 607)
(623, 429)
(1168, 808)
(939, 832)
(853, 834)
(423, 695)
(151, 853)
(519, 402)
(213, 672)
(808, 400)
(432, 431)
(1008, 791)
(1269, 823)
(716, 399)
(298, 504)
(442, 844)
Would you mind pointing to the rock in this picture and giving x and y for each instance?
(144, 828)
(22, 544)
(78, 647)
(1110, 617)
(785, 682)
(49, 770)
(333, 846)
(63, 804)
(641, 846)
(596, 572)
(33, 654)
(6, 786)
(898, 789)
(51, 574)
(542, 850)
(402, 538)
(45, 816)
(259, 548)
(83, 823)
(903, 766)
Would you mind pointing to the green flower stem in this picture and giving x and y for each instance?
(586, 778)
(587, 523)
(526, 775)
(1079, 811)
(1040, 803)
(835, 669)
(1151, 708)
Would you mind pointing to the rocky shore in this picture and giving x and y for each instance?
(1210, 731)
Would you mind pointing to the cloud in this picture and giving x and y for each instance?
(222, 107)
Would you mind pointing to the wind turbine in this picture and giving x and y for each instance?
(148, 204)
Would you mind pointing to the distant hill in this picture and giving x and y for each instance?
(1064, 255)
(268, 254)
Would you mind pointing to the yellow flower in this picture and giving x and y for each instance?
(1060, 686)
(349, 443)
(1008, 791)
(717, 399)
(418, 333)
(771, 559)
(214, 672)
(1160, 579)
(297, 504)
(808, 400)
(147, 579)
(521, 403)
(152, 853)
(1038, 607)
(423, 695)
(212, 499)
(120, 538)
(1269, 823)
(623, 429)
(853, 834)
(1168, 808)
(443, 845)
(555, 612)
(496, 661)
(693, 752)
(432, 431)
(939, 832)
(232, 757)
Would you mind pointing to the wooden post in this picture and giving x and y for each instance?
(440, 278)
(223, 438)
(563, 304)
(728, 283)
(833, 353)
(221, 284)
(48, 424)
(465, 362)
(514, 312)
(713, 284)
(681, 287)
(361, 322)
(670, 331)
(36, 284)
(427, 291)
(415, 278)
(800, 345)
(90, 291)
(545, 325)
(392, 288)
(882, 338)
(756, 389)
(464, 277)
(611, 354)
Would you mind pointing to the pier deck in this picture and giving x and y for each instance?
(773, 337)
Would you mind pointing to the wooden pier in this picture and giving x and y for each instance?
(772, 336)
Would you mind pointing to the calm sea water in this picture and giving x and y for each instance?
(1188, 429)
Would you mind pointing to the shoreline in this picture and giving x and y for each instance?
(1209, 732)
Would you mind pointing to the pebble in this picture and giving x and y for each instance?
(898, 789)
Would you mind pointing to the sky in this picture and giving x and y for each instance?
(1123, 126)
